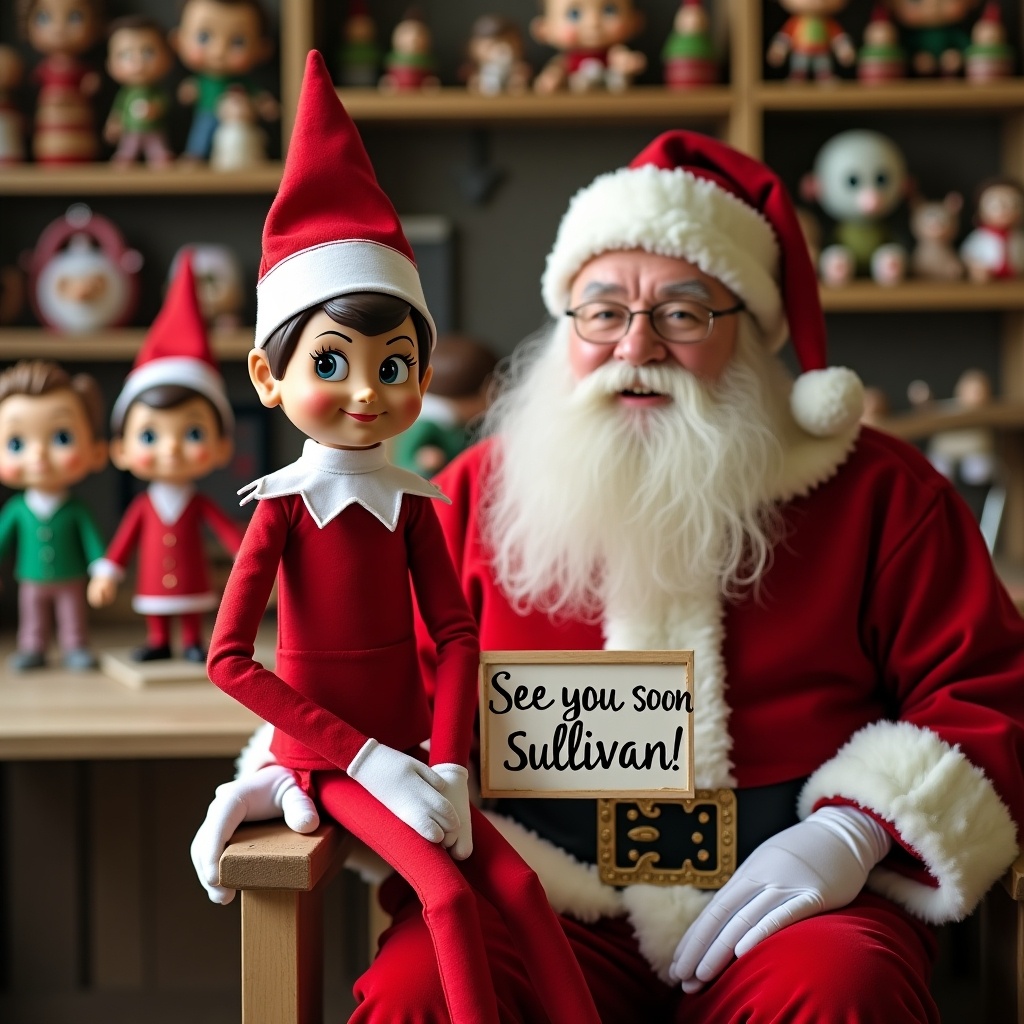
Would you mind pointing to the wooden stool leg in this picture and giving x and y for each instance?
(282, 957)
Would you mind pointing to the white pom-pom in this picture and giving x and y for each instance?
(827, 402)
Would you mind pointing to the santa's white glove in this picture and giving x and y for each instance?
(267, 793)
(819, 864)
(406, 787)
(458, 840)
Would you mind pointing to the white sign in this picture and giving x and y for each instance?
(586, 723)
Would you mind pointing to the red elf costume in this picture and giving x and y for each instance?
(343, 531)
(165, 523)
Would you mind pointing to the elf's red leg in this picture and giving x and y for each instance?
(449, 906)
(501, 876)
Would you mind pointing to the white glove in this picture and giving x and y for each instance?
(456, 787)
(267, 793)
(819, 864)
(406, 787)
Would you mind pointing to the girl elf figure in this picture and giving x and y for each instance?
(343, 342)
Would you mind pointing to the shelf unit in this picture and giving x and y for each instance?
(115, 345)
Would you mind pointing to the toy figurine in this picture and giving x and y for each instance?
(859, 179)
(495, 62)
(934, 34)
(688, 57)
(359, 55)
(171, 425)
(989, 57)
(935, 226)
(219, 282)
(809, 38)
(410, 63)
(343, 345)
(138, 59)
(221, 42)
(995, 248)
(458, 396)
(63, 31)
(12, 293)
(82, 274)
(966, 454)
(881, 58)
(51, 438)
(238, 141)
(12, 124)
(591, 37)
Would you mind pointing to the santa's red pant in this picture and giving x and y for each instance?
(450, 895)
(866, 964)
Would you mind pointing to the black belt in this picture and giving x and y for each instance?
(678, 840)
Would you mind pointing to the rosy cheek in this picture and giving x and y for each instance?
(319, 404)
(144, 460)
(410, 407)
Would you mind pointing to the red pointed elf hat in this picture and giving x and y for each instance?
(691, 196)
(176, 351)
(331, 229)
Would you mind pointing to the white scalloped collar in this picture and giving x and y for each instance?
(331, 479)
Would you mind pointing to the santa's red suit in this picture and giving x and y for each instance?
(880, 662)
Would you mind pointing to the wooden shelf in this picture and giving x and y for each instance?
(936, 98)
(459, 106)
(937, 417)
(115, 345)
(102, 179)
(924, 297)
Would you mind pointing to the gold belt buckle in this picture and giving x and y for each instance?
(684, 841)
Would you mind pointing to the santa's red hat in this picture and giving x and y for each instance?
(331, 229)
(691, 196)
(176, 351)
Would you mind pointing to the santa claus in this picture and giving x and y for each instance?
(655, 480)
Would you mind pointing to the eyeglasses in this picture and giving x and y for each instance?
(678, 321)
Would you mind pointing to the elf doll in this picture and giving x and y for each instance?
(343, 342)
(171, 425)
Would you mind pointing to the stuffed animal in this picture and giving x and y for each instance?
(494, 54)
(810, 38)
(935, 226)
(995, 248)
(859, 179)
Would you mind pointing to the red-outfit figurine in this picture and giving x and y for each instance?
(171, 425)
(343, 342)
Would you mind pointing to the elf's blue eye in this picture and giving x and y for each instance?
(573, 14)
(62, 438)
(195, 434)
(330, 365)
(394, 371)
(203, 37)
(147, 436)
(15, 444)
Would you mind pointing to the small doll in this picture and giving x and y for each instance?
(12, 124)
(859, 179)
(219, 282)
(966, 455)
(63, 31)
(994, 250)
(410, 63)
(463, 368)
(495, 62)
(935, 226)
(359, 55)
(989, 57)
(343, 344)
(688, 56)
(934, 34)
(881, 58)
(591, 37)
(171, 425)
(51, 438)
(809, 38)
(138, 59)
(221, 42)
(239, 141)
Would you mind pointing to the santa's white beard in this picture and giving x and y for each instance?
(594, 504)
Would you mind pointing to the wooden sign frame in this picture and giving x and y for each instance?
(521, 699)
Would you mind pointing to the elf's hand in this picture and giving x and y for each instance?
(406, 787)
(819, 864)
(267, 793)
(456, 787)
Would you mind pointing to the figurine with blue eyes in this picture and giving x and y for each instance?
(344, 339)
(221, 42)
(171, 425)
(590, 36)
(51, 438)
